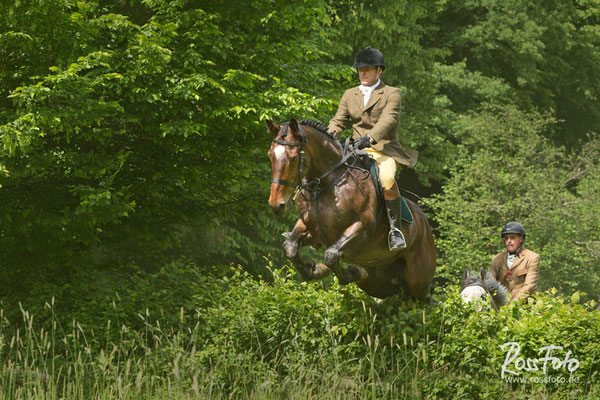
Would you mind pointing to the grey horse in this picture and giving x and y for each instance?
(475, 286)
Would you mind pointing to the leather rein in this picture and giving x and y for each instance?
(313, 186)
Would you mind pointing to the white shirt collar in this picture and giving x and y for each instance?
(510, 260)
(367, 90)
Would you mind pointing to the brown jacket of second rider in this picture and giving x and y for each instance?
(522, 279)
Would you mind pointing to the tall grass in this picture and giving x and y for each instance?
(70, 363)
(289, 341)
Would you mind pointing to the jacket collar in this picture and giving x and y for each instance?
(520, 257)
(375, 96)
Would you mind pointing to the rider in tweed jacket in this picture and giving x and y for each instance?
(516, 267)
(373, 110)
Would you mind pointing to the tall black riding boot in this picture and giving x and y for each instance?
(394, 211)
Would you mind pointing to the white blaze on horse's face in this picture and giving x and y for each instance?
(284, 162)
(473, 293)
(279, 152)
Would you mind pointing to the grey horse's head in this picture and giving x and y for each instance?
(475, 286)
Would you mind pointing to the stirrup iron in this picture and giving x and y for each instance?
(396, 239)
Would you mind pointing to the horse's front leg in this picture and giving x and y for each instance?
(335, 252)
(294, 239)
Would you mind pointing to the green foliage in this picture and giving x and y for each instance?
(569, 231)
(470, 346)
(133, 130)
(142, 140)
(243, 338)
(531, 46)
(133, 156)
(506, 170)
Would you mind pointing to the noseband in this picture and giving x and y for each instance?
(300, 165)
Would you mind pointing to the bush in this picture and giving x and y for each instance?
(292, 340)
(507, 171)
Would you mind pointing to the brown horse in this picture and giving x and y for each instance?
(338, 207)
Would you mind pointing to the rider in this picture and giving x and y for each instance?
(516, 267)
(374, 109)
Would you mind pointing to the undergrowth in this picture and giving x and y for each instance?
(290, 340)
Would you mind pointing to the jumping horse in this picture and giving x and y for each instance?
(339, 208)
(481, 286)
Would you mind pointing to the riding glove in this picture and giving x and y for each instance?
(363, 142)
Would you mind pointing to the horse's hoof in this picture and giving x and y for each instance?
(321, 271)
(315, 271)
(349, 275)
(332, 256)
(306, 272)
(290, 248)
(343, 279)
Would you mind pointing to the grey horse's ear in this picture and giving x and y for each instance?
(465, 273)
(482, 273)
(273, 128)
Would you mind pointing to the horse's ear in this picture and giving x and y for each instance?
(294, 126)
(482, 273)
(465, 274)
(272, 127)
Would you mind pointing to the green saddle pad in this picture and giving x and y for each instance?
(406, 213)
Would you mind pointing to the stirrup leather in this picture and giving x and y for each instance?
(396, 239)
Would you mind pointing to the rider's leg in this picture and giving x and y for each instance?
(391, 194)
(393, 205)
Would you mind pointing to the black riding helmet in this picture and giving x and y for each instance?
(369, 57)
(513, 227)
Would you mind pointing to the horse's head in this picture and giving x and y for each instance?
(287, 160)
(479, 286)
(473, 286)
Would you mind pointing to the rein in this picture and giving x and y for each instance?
(313, 186)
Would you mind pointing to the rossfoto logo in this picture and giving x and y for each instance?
(514, 364)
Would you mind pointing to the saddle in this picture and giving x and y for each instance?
(371, 165)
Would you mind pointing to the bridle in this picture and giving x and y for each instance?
(300, 164)
(312, 186)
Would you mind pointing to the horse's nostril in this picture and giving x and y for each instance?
(278, 208)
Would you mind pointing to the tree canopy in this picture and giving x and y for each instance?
(132, 132)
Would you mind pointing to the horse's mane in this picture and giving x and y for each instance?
(317, 126)
(496, 289)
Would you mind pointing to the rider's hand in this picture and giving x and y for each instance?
(363, 142)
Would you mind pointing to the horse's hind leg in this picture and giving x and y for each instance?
(420, 267)
(300, 235)
(382, 282)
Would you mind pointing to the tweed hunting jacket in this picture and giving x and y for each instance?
(378, 119)
(522, 280)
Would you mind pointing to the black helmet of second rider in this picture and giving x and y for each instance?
(369, 57)
(513, 227)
